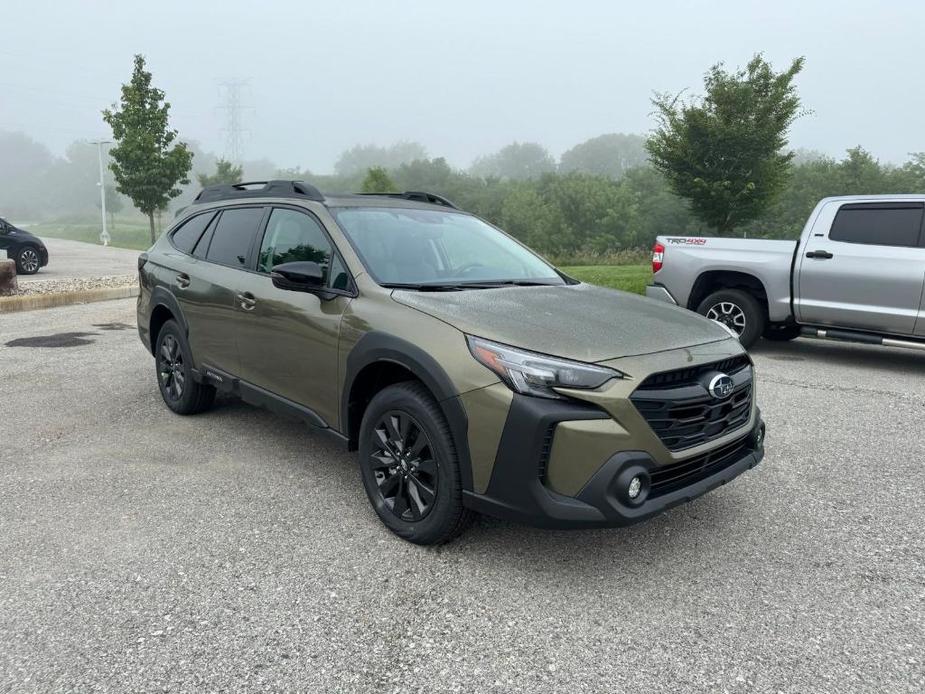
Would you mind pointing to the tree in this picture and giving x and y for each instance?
(148, 165)
(609, 155)
(361, 158)
(518, 161)
(377, 181)
(225, 172)
(725, 151)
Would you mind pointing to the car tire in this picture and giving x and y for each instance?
(781, 333)
(174, 370)
(28, 260)
(413, 484)
(738, 310)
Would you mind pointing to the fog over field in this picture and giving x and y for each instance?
(461, 78)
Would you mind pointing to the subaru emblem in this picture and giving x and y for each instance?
(721, 386)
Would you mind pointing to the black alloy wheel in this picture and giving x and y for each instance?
(404, 466)
(173, 365)
(170, 368)
(409, 465)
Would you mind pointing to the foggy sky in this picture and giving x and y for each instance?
(464, 77)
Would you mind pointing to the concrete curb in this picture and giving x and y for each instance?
(32, 302)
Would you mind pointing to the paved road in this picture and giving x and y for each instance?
(141, 551)
(77, 259)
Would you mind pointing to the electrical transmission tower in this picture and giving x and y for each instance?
(234, 130)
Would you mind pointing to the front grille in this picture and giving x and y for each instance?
(670, 478)
(669, 379)
(681, 411)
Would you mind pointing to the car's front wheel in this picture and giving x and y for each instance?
(174, 365)
(737, 310)
(28, 261)
(410, 467)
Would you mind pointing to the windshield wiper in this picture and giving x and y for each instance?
(425, 287)
(459, 286)
(511, 283)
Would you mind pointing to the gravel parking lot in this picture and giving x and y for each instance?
(141, 551)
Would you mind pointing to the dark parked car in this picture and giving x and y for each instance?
(26, 249)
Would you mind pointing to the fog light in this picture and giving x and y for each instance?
(634, 488)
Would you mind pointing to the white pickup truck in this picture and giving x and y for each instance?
(857, 273)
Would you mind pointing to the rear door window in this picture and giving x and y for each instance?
(187, 236)
(234, 235)
(878, 224)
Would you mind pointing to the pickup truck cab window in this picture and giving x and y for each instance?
(878, 224)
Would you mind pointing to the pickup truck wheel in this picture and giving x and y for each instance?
(737, 310)
(409, 465)
(781, 333)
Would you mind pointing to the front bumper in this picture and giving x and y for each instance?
(657, 291)
(518, 490)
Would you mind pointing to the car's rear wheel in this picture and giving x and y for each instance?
(737, 310)
(28, 261)
(174, 365)
(410, 467)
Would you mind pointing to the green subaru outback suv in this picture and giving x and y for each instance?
(469, 373)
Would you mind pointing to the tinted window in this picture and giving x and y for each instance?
(878, 225)
(200, 250)
(292, 236)
(231, 241)
(185, 238)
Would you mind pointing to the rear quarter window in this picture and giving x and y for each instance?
(886, 224)
(185, 238)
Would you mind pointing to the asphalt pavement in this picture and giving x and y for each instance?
(236, 551)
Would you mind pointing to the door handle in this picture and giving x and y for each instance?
(182, 280)
(247, 301)
(824, 255)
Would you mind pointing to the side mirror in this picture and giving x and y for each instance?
(298, 276)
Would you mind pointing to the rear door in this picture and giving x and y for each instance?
(863, 266)
(208, 290)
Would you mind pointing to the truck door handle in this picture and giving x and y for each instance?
(247, 301)
(824, 255)
(182, 280)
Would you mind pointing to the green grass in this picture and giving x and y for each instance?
(124, 235)
(629, 278)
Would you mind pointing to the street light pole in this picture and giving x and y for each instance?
(104, 235)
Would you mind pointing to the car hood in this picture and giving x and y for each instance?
(579, 321)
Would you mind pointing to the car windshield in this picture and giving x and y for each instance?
(433, 249)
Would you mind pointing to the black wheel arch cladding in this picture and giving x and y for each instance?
(161, 297)
(376, 347)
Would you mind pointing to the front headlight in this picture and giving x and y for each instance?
(536, 374)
